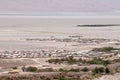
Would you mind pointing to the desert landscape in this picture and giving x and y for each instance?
(39, 46)
(59, 39)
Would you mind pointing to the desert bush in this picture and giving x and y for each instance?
(85, 69)
(31, 69)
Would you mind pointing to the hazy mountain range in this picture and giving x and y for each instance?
(59, 5)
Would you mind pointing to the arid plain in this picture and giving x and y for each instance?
(32, 35)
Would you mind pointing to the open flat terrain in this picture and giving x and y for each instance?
(14, 31)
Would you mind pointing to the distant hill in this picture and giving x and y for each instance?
(59, 5)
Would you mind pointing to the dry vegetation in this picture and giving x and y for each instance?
(47, 76)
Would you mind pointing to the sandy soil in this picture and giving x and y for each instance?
(110, 77)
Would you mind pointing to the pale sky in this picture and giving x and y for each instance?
(59, 5)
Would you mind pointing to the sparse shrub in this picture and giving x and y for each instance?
(108, 49)
(107, 71)
(74, 70)
(106, 62)
(62, 70)
(31, 69)
(14, 67)
(85, 69)
(96, 71)
(101, 70)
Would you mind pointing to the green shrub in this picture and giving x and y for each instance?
(96, 71)
(62, 70)
(106, 62)
(104, 49)
(85, 69)
(31, 69)
(107, 71)
(74, 70)
(101, 70)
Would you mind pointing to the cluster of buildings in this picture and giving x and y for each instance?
(34, 54)
(56, 53)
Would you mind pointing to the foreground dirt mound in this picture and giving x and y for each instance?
(110, 77)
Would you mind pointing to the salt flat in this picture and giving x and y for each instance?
(13, 30)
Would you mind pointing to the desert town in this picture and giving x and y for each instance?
(56, 61)
(59, 39)
(78, 40)
(56, 53)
